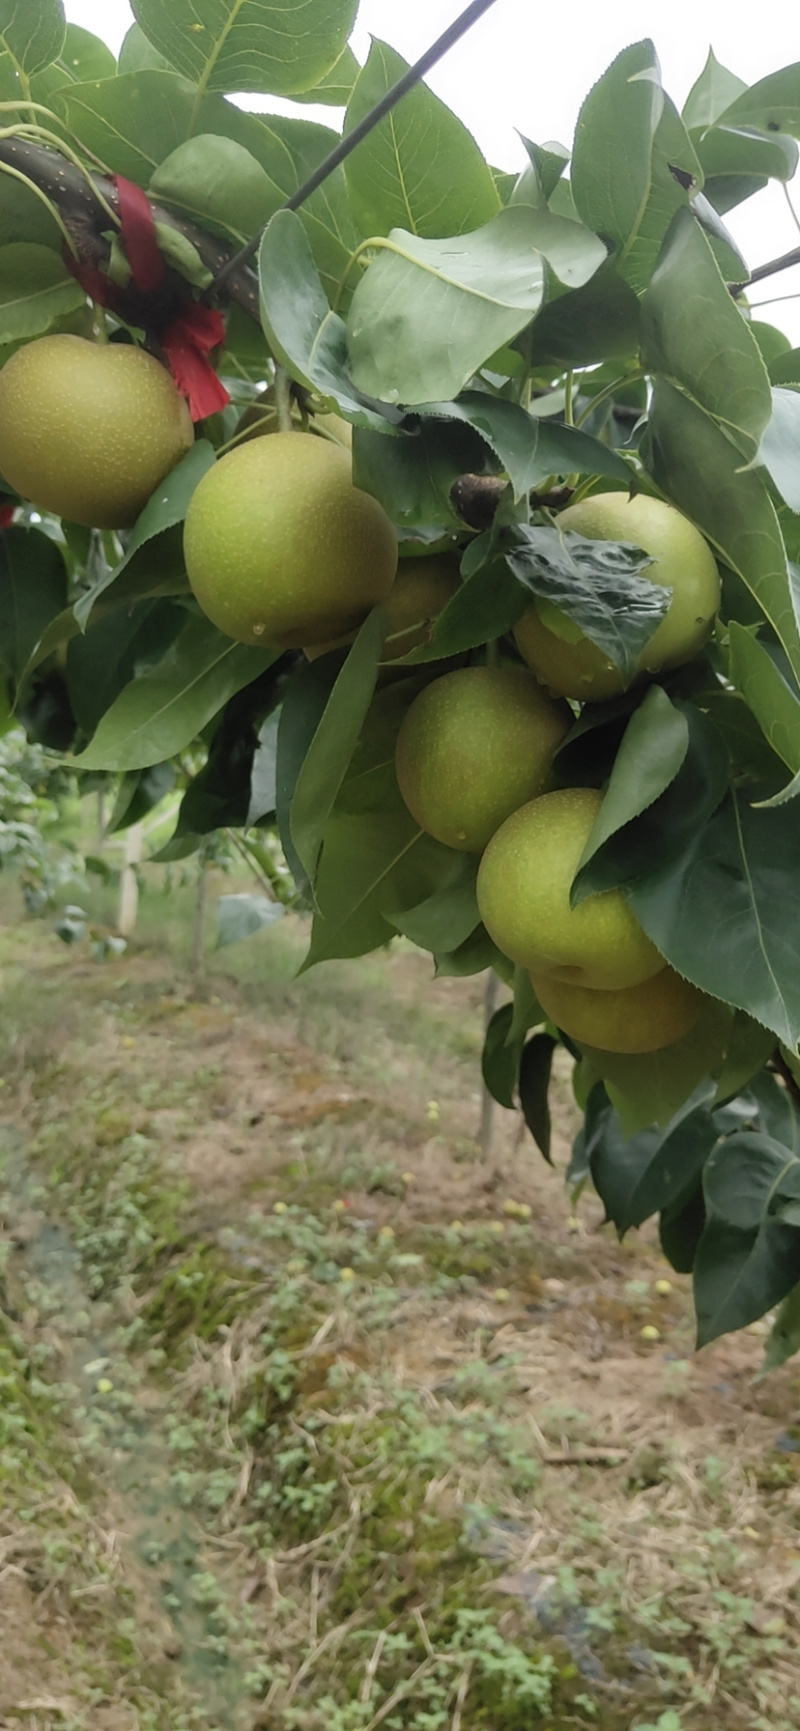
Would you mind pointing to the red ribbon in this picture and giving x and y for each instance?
(187, 343)
(7, 516)
(139, 236)
(192, 334)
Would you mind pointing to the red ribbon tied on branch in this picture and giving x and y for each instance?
(192, 334)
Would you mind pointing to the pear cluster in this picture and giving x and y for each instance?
(475, 765)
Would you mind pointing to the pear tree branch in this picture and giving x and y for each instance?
(82, 200)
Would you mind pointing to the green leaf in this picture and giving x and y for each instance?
(326, 216)
(280, 46)
(114, 651)
(611, 162)
(24, 217)
(412, 475)
(308, 338)
(32, 32)
(241, 916)
(535, 1065)
(139, 55)
(639, 1176)
(785, 368)
(774, 704)
(784, 1340)
(84, 56)
(419, 168)
(159, 714)
(596, 583)
(676, 179)
(779, 451)
(447, 918)
(219, 797)
(158, 572)
(136, 120)
(749, 1047)
(486, 606)
(217, 182)
(164, 510)
(629, 143)
(140, 791)
(373, 867)
(653, 748)
(664, 826)
(428, 313)
(736, 152)
(711, 94)
(599, 322)
(336, 87)
(772, 105)
(531, 449)
(680, 1230)
(474, 956)
(499, 1060)
(35, 289)
(720, 911)
(739, 1274)
(694, 335)
(538, 183)
(263, 774)
(698, 469)
(332, 746)
(747, 1178)
(33, 588)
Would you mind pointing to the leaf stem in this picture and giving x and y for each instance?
(608, 391)
(283, 400)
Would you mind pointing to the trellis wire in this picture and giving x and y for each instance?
(438, 49)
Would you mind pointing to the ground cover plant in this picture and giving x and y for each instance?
(551, 386)
(312, 1417)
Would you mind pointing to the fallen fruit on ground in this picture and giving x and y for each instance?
(633, 1019)
(89, 430)
(566, 661)
(523, 895)
(420, 590)
(474, 746)
(281, 548)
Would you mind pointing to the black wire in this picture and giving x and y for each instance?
(440, 47)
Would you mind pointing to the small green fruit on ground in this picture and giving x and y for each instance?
(89, 430)
(474, 746)
(566, 661)
(281, 548)
(523, 895)
(634, 1019)
(420, 590)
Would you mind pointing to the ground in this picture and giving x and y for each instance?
(307, 1423)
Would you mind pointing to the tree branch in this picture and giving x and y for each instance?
(83, 215)
(785, 262)
(476, 498)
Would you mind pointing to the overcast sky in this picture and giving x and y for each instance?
(530, 67)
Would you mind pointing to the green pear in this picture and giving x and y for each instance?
(89, 430)
(420, 590)
(281, 548)
(523, 895)
(566, 661)
(473, 746)
(631, 1019)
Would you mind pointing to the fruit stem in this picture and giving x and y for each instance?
(283, 400)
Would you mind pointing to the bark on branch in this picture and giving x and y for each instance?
(77, 196)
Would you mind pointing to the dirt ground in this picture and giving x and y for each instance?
(246, 1171)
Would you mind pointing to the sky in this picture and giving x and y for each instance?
(528, 66)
